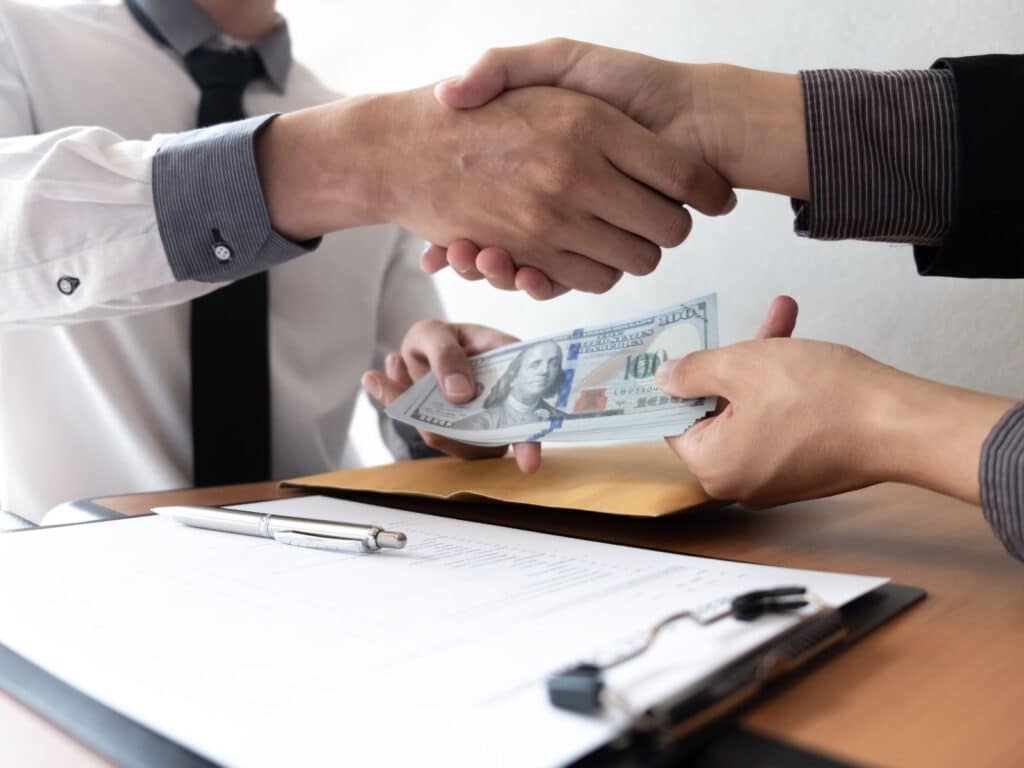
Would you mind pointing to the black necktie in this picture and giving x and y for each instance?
(230, 361)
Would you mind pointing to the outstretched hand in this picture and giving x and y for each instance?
(444, 349)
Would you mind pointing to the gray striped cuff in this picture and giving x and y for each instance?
(210, 210)
(882, 155)
(1001, 479)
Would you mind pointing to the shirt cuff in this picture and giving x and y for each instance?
(1001, 480)
(210, 210)
(881, 154)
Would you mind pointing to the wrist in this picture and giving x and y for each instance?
(931, 435)
(322, 169)
(753, 127)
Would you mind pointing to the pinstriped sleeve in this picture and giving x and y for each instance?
(881, 154)
(209, 204)
(1001, 479)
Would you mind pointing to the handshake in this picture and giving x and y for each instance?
(545, 168)
(561, 166)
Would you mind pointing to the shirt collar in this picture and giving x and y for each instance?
(184, 27)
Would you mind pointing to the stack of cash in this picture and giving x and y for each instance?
(589, 384)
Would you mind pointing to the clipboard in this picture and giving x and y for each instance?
(127, 742)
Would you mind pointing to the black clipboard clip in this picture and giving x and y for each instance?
(581, 687)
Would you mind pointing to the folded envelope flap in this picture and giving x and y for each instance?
(645, 480)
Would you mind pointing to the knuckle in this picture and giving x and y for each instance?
(718, 486)
(728, 367)
(427, 324)
(578, 123)
(680, 178)
(538, 220)
(718, 481)
(425, 328)
(420, 332)
(561, 177)
(492, 57)
(554, 44)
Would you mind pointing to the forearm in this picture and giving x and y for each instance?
(322, 169)
(755, 132)
(930, 434)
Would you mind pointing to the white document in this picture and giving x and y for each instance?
(254, 653)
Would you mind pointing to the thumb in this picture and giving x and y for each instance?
(501, 69)
(695, 375)
(780, 320)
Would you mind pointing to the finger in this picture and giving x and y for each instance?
(499, 69)
(780, 320)
(530, 279)
(397, 370)
(609, 245)
(661, 165)
(535, 283)
(462, 258)
(434, 259)
(582, 273)
(380, 387)
(638, 209)
(434, 346)
(699, 374)
(538, 285)
(527, 457)
(497, 266)
(477, 339)
(692, 446)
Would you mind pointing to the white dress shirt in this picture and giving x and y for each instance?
(94, 324)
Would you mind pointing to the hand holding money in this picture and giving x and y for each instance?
(442, 350)
(587, 384)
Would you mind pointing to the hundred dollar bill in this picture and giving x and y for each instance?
(585, 384)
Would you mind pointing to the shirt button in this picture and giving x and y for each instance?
(222, 252)
(67, 284)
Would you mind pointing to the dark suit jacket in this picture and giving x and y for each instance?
(987, 235)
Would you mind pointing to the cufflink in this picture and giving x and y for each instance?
(221, 250)
(67, 284)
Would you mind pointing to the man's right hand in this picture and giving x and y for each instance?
(564, 182)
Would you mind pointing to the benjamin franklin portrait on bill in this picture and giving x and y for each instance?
(518, 397)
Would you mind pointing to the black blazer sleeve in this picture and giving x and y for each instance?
(987, 234)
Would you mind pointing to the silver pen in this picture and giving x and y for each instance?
(297, 531)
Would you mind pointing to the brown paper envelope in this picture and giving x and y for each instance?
(645, 480)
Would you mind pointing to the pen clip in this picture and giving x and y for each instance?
(313, 541)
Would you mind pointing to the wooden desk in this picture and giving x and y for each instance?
(941, 685)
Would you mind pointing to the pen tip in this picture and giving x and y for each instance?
(390, 540)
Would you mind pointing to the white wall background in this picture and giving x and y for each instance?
(969, 333)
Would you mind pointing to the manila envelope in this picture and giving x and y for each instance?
(644, 480)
